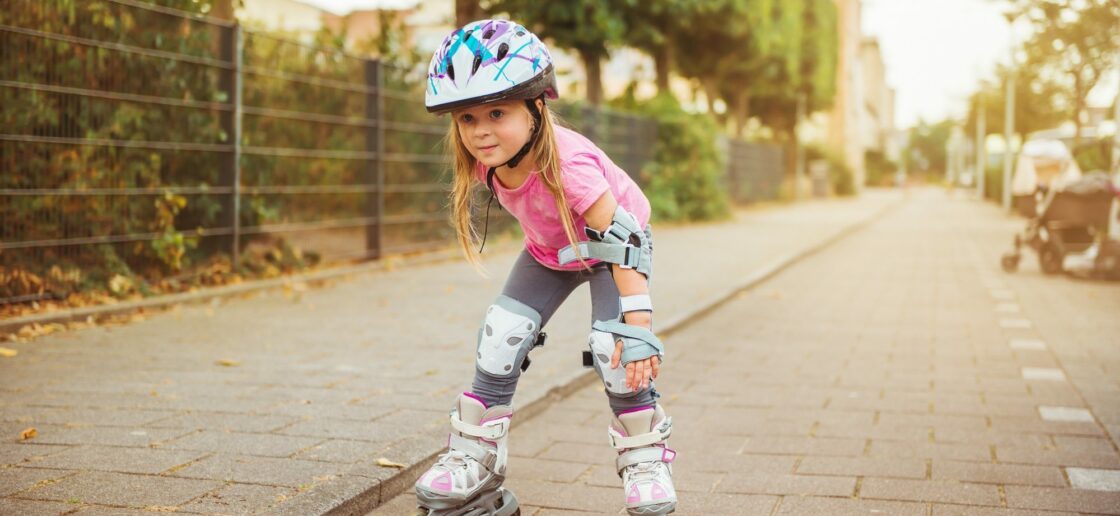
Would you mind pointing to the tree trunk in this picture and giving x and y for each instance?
(742, 111)
(594, 69)
(467, 11)
(663, 63)
(710, 91)
(223, 10)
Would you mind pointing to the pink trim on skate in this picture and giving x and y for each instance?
(656, 492)
(475, 397)
(638, 409)
(668, 455)
(633, 497)
(484, 421)
(442, 482)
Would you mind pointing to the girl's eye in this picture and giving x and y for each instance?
(496, 114)
(466, 119)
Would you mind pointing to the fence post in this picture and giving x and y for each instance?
(590, 121)
(229, 174)
(374, 172)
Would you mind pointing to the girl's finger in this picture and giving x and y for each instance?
(639, 374)
(656, 366)
(648, 375)
(617, 357)
(630, 374)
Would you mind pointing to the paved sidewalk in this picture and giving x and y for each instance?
(285, 402)
(897, 372)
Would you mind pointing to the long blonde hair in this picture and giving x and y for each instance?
(544, 154)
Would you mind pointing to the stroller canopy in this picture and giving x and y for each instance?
(1043, 162)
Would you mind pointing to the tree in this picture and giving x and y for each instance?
(589, 27)
(1077, 40)
(467, 11)
(653, 27)
(1036, 101)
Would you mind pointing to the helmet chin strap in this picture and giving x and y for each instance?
(512, 163)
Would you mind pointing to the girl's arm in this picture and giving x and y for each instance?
(630, 282)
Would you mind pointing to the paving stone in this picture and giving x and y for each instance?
(1071, 414)
(776, 484)
(34, 507)
(862, 466)
(265, 445)
(343, 451)
(239, 498)
(929, 491)
(799, 505)
(723, 503)
(962, 510)
(1007, 308)
(107, 435)
(998, 473)
(11, 453)
(260, 470)
(256, 423)
(1027, 344)
(121, 460)
(1042, 373)
(15, 479)
(1074, 500)
(1094, 479)
(1015, 323)
(122, 489)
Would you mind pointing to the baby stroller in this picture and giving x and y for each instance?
(1074, 225)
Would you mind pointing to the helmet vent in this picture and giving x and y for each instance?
(468, 35)
(450, 69)
(503, 49)
(477, 62)
(488, 34)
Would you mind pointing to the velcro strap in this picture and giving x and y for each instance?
(491, 430)
(636, 303)
(472, 448)
(630, 331)
(647, 454)
(662, 432)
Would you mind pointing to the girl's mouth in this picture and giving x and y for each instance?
(488, 149)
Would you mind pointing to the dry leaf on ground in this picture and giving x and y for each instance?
(8, 352)
(30, 433)
(228, 363)
(386, 463)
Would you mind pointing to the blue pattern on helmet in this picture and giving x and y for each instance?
(509, 59)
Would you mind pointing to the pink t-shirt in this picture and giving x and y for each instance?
(587, 174)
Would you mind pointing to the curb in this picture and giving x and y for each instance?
(362, 500)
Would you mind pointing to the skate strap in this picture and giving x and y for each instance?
(640, 302)
(491, 430)
(622, 442)
(472, 449)
(647, 454)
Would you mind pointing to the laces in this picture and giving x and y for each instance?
(454, 457)
(644, 471)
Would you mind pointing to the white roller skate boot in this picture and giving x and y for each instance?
(467, 479)
(644, 460)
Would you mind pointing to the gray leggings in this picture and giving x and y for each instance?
(543, 290)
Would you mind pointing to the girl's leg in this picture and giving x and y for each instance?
(604, 307)
(531, 287)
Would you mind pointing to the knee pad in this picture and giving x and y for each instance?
(508, 333)
(602, 348)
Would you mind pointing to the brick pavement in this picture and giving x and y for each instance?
(283, 402)
(873, 378)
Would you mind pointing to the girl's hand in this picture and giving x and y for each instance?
(640, 372)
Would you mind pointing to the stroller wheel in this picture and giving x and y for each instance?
(1009, 262)
(1050, 259)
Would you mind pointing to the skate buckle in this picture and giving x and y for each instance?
(668, 455)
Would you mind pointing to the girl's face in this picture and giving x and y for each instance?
(494, 132)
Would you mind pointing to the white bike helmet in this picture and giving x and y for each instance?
(485, 61)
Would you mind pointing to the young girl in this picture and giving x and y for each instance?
(493, 77)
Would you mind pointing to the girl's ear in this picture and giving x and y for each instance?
(539, 103)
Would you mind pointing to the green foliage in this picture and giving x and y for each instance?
(880, 170)
(1036, 101)
(840, 176)
(1075, 41)
(684, 180)
(1094, 155)
(926, 150)
(589, 27)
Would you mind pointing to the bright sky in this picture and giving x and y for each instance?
(937, 51)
